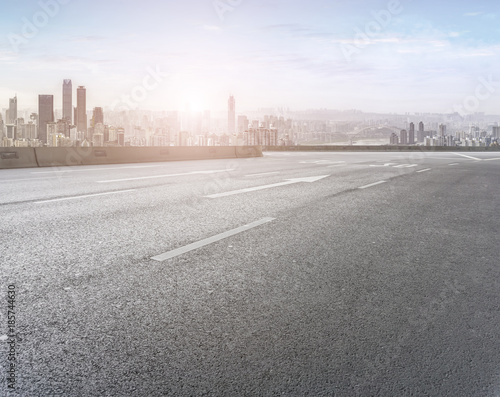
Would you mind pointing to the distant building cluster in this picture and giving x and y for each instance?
(78, 126)
(473, 137)
(71, 129)
(82, 125)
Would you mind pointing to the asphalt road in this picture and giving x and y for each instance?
(319, 274)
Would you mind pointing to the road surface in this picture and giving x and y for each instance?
(321, 274)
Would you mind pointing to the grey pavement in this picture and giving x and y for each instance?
(382, 278)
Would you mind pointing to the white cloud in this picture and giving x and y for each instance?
(473, 14)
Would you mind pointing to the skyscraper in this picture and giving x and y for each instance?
(97, 117)
(231, 115)
(442, 129)
(12, 112)
(67, 100)
(496, 132)
(411, 134)
(45, 115)
(81, 109)
(403, 137)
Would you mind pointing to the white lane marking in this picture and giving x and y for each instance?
(164, 176)
(380, 165)
(405, 165)
(253, 189)
(491, 159)
(453, 164)
(469, 157)
(96, 169)
(264, 173)
(29, 179)
(210, 240)
(372, 184)
(320, 162)
(425, 170)
(84, 196)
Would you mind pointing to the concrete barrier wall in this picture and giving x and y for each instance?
(69, 156)
(12, 157)
(385, 148)
(248, 151)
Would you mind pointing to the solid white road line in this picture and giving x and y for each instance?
(425, 170)
(210, 240)
(97, 169)
(264, 173)
(492, 159)
(84, 196)
(469, 157)
(30, 179)
(372, 184)
(163, 176)
(253, 189)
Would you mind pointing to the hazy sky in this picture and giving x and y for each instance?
(386, 56)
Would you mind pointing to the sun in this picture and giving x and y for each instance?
(194, 101)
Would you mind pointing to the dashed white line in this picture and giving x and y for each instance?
(384, 165)
(453, 164)
(405, 165)
(320, 162)
(95, 169)
(372, 184)
(84, 196)
(210, 240)
(163, 176)
(29, 179)
(264, 173)
(492, 159)
(425, 170)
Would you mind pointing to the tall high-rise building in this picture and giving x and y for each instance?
(81, 109)
(394, 140)
(242, 124)
(231, 115)
(442, 130)
(411, 134)
(12, 112)
(1, 127)
(496, 132)
(45, 115)
(421, 132)
(67, 101)
(97, 117)
(403, 137)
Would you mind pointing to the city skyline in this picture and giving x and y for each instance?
(376, 56)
